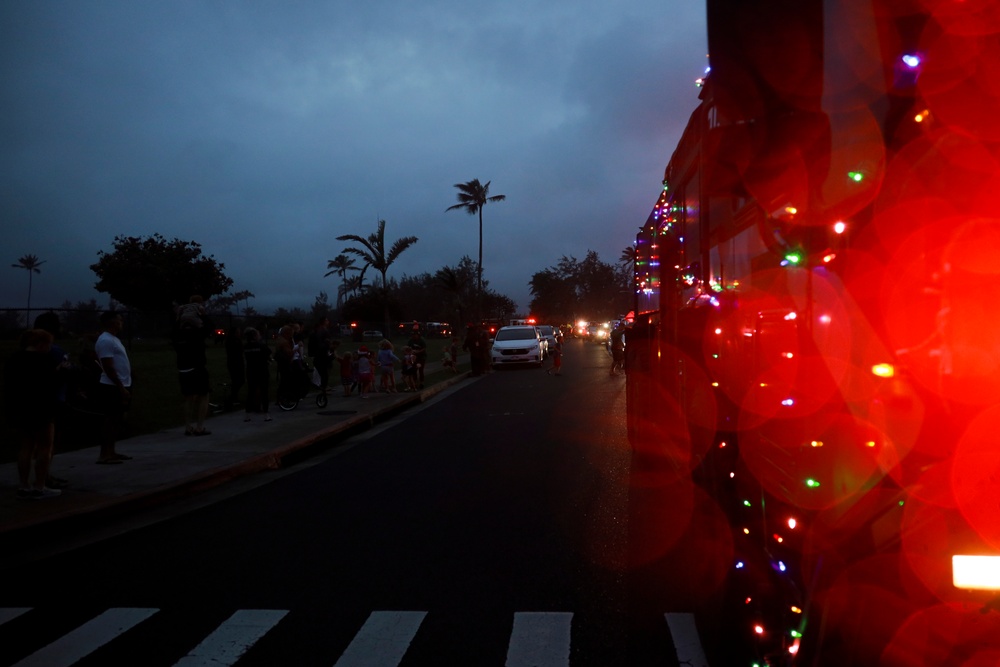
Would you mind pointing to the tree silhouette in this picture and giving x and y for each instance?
(29, 263)
(151, 273)
(372, 250)
(245, 295)
(628, 257)
(472, 197)
(340, 265)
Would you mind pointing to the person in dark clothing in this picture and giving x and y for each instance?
(49, 321)
(617, 349)
(419, 347)
(472, 344)
(29, 383)
(235, 365)
(192, 373)
(485, 348)
(319, 350)
(257, 356)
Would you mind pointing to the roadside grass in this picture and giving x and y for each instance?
(156, 399)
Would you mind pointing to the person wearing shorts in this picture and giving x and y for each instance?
(114, 391)
(192, 375)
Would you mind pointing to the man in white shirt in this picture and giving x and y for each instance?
(114, 389)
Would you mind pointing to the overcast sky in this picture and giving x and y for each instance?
(263, 130)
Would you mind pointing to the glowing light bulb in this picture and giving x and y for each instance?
(792, 523)
(883, 370)
(839, 227)
(812, 483)
(911, 60)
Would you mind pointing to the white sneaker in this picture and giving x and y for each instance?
(44, 492)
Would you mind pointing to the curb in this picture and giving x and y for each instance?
(299, 449)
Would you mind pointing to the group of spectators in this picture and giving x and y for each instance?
(38, 382)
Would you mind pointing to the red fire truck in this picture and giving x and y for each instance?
(817, 336)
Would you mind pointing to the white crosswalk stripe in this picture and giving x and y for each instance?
(87, 638)
(230, 640)
(537, 639)
(540, 639)
(10, 613)
(383, 639)
(686, 640)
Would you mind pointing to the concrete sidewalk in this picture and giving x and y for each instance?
(169, 464)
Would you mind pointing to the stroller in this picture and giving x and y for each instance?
(296, 386)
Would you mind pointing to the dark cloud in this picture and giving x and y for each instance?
(264, 130)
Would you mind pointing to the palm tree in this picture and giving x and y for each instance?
(628, 257)
(452, 282)
(29, 263)
(355, 285)
(372, 250)
(246, 295)
(472, 197)
(340, 265)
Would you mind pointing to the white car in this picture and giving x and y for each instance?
(517, 345)
(548, 334)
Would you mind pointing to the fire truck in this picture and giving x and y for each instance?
(816, 336)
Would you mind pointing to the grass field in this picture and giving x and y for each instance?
(156, 399)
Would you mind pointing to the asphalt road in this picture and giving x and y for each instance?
(504, 523)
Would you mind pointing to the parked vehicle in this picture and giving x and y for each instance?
(548, 334)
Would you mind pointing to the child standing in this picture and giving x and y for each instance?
(346, 361)
(365, 375)
(449, 358)
(409, 369)
(386, 360)
(556, 354)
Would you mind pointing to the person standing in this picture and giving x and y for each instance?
(235, 366)
(284, 354)
(49, 321)
(419, 347)
(114, 389)
(346, 363)
(387, 361)
(556, 354)
(484, 350)
(365, 371)
(471, 344)
(617, 348)
(257, 356)
(319, 350)
(29, 383)
(192, 373)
